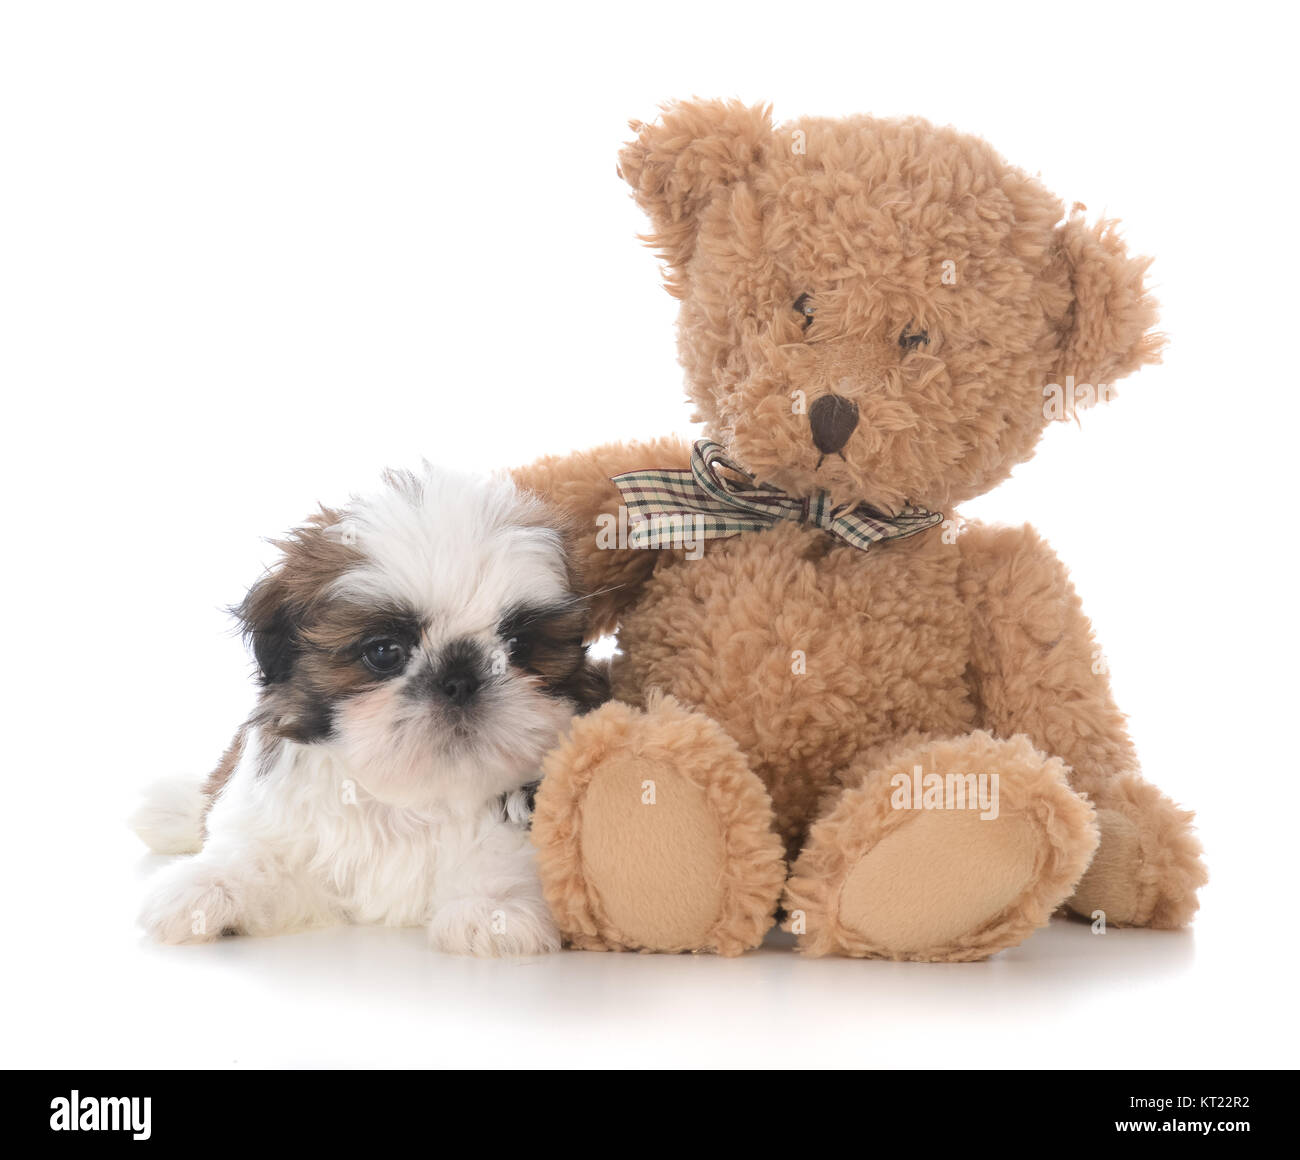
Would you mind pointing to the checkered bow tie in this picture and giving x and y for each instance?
(667, 505)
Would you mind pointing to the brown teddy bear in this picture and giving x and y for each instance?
(833, 697)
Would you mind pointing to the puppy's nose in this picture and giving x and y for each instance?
(833, 419)
(458, 686)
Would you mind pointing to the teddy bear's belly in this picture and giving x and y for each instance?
(806, 653)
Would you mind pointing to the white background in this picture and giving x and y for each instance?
(252, 252)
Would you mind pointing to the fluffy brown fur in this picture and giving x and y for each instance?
(215, 782)
(915, 281)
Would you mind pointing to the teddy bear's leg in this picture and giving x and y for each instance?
(1148, 867)
(904, 866)
(653, 833)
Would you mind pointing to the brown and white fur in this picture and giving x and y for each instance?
(418, 652)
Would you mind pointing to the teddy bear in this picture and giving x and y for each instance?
(836, 703)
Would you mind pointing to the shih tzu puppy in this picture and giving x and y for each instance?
(418, 652)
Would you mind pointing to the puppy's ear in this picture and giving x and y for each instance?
(277, 607)
(270, 621)
(677, 164)
(587, 684)
(1107, 331)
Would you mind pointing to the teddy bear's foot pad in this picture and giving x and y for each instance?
(934, 880)
(654, 834)
(654, 853)
(943, 875)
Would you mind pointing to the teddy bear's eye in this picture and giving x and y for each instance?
(911, 339)
(804, 305)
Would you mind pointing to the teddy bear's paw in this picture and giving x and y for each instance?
(654, 834)
(953, 851)
(1148, 867)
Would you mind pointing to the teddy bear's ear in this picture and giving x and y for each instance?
(1107, 329)
(675, 165)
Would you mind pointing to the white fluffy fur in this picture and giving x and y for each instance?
(170, 819)
(306, 845)
(389, 820)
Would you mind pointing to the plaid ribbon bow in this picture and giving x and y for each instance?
(667, 506)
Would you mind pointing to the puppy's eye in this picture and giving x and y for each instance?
(910, 339)
(384, 656)
(804, 305)
(519, 646)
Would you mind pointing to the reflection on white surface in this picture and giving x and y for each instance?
(376, 997)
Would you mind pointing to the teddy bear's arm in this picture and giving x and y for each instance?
(1035, 666)
(579, 485)
(1036, 670)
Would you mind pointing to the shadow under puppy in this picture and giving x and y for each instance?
(418, 652)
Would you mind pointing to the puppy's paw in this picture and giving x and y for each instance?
(490, 927)
(189, 903)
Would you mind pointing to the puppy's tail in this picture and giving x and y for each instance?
(170, 818)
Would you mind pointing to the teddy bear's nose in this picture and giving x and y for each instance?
(833, 419)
